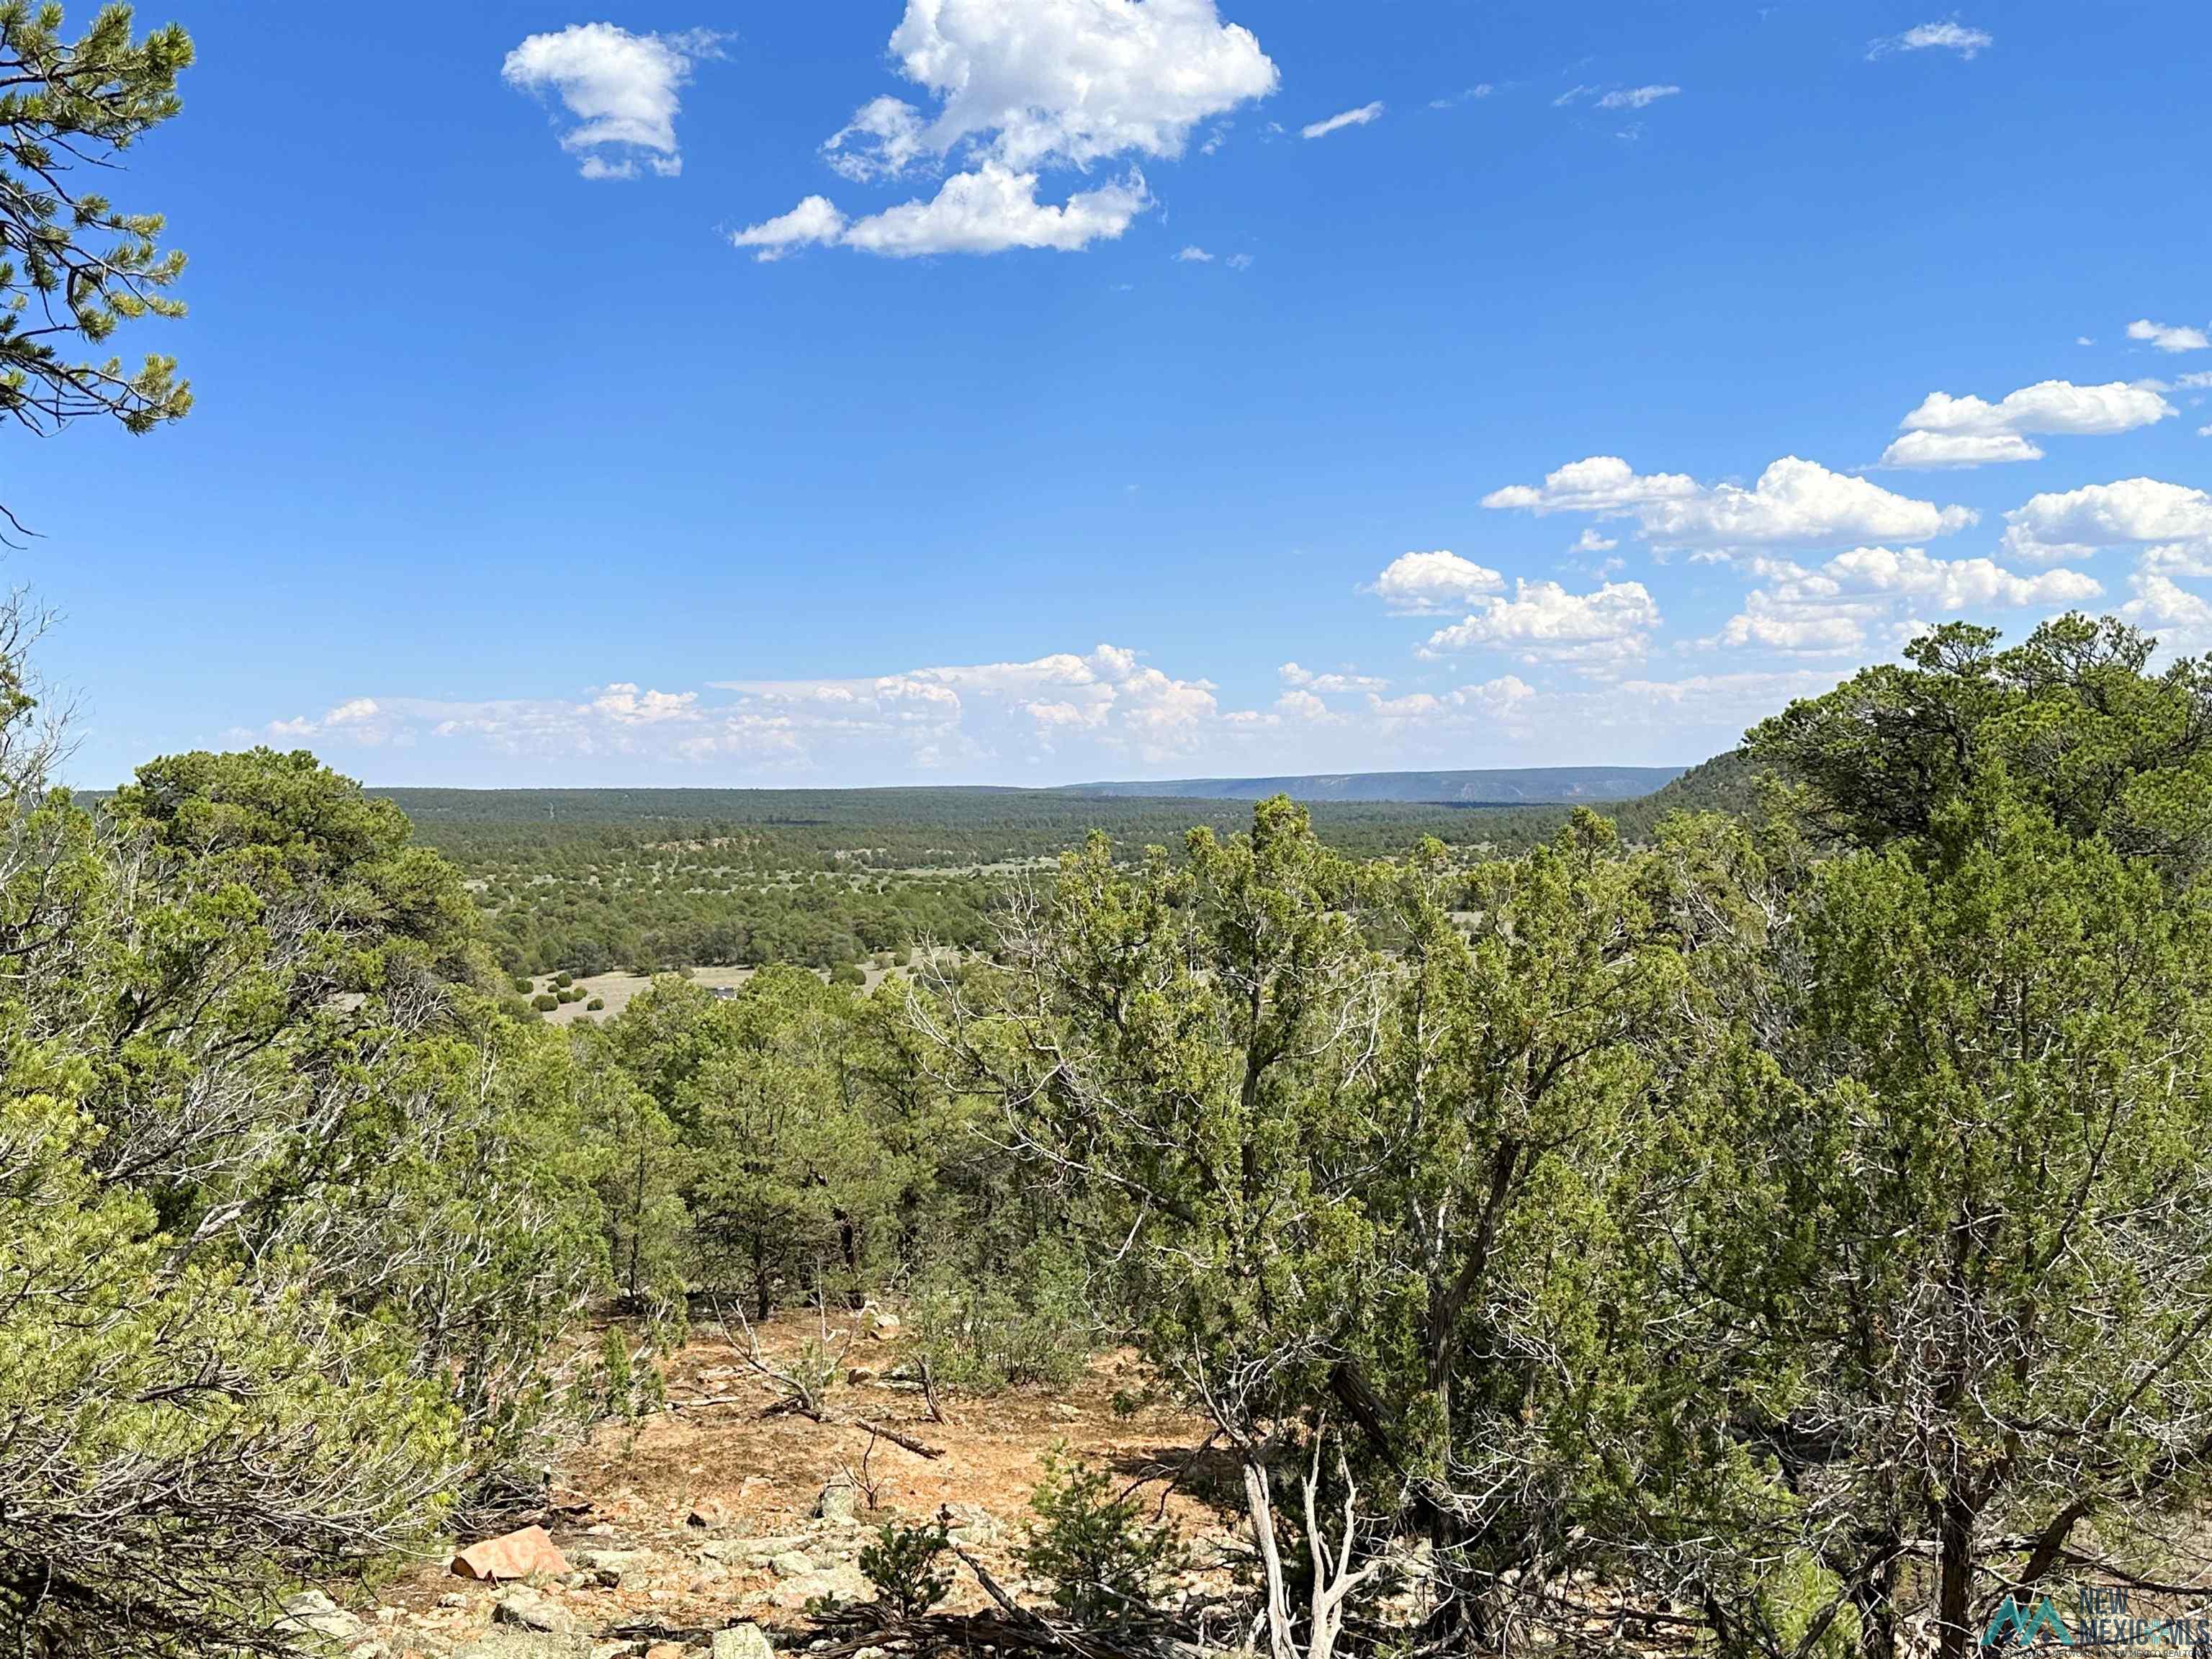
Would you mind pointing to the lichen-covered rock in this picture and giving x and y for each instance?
(742, 1642)
(528, 1610)
(314, 1616)
(510, 1641)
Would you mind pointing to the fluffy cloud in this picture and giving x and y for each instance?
(1948, 431)
(1544, 622)
(1829, 610)
(621, 90)
(1351, 118)
(1043, 81)
(813, 222)
(987, 211)
(1332, 684)
(1950, 36)
(1957, 584)
(1796, 504)
(1603, 483)
(1929, 451)
(2182, 619)
(1424, 584)
(2133, 511)
(2169, 337)
(1194, 255)
(1636, 97)
(1025, 85)
(992, 209)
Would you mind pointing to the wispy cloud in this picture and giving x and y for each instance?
(1473, 95)
(1351, 118)
(1950, 35)
(1636, 97)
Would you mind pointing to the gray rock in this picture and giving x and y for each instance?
(742, 1642)
(613, 1567)
(972, 1524)
(792, 1563)
(840, 1501)
(841, 1584)
(508, 1642)
(311, 1614)
(527, 1610)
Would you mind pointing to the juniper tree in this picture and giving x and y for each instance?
(1945, 1228)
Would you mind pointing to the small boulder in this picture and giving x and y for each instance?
(511, 1642)
(527, 1610)
(707, 1514)
(311, 1614)
(840, 1501)
(614, 1568)
(838, 1584)
(972, 1524)
(521, 1554)
(742, 1642)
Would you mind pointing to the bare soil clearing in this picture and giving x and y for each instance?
(710, 1513)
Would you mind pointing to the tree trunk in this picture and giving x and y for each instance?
(1875, 1601)
(1955, 1575)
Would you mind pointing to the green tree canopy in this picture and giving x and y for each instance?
(73, 266)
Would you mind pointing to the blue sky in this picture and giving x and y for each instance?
(505, 474)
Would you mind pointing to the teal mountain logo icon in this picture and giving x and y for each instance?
(2014, 1623)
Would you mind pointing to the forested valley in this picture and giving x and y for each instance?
(1771, 1219)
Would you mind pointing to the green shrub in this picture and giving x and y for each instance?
(847, 974)
(903, 1564)
(1105, 1567)
(525, 984)
(983, 1328)
(595, 1006)
(545, 1002)
(563, 980)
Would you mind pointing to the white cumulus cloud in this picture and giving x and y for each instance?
(1970, 431)
(1424, 584)
(621, 90)
(1929, 452)
(1024, 86)
(1830, 610)
(2165, 336)
(1543, 620)
(814, 221)
(1796, 504)
(2132, 512)
(1603, 483)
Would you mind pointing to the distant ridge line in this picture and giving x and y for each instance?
(1535, 785)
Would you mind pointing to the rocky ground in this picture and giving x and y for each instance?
(703, 1532)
